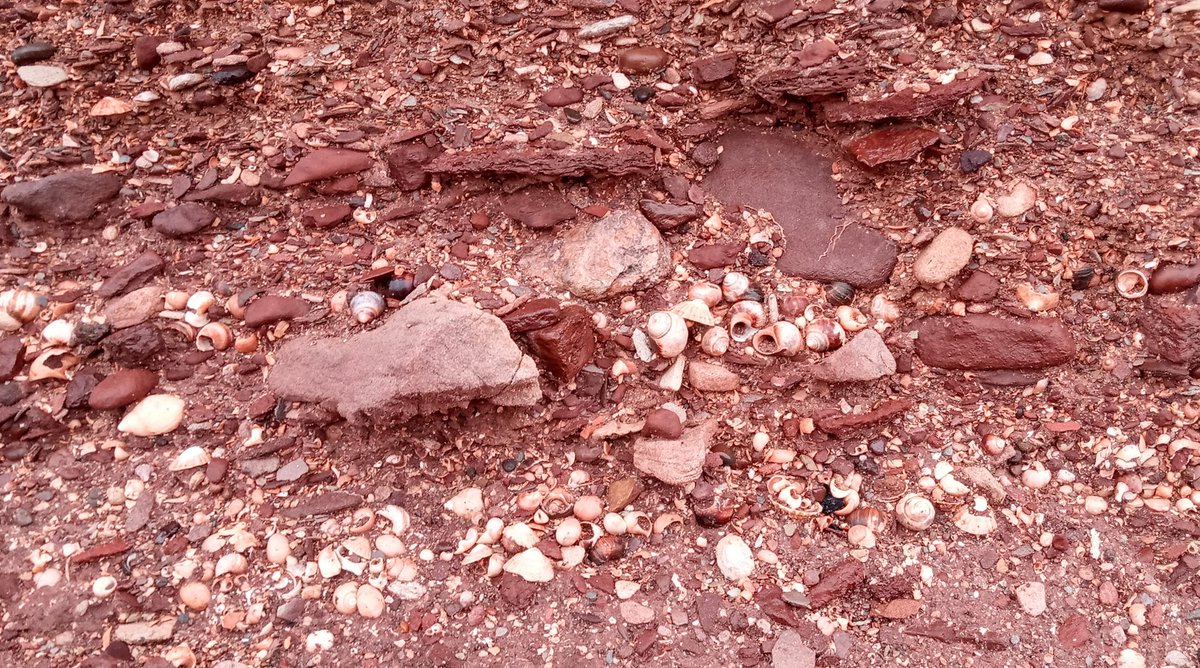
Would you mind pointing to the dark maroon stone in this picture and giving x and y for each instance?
(227, 193)
(990, 342)
(669, 215)
(538, 208)
(778, 172)
(533, 314)
(973, 160)
(715, 256)
(406, 166)
(1172, 277)
(79, 387)
(326, 163)
(566, 346)
(1172, 331)
(134, 346)
(183, 220)
(1075, 631)
(145, 51)
(561, 97)
(714, 68)
(979, 287)
(662, 423)
(73, 196)
(1124, 6)
(891, 145)
(326, 216)
(270, 309)
(12, 357)
(122, 388)
(837, 582)
(642, 60)
(135, 274)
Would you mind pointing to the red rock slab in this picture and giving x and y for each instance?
(989, 342)
(1172, 331)
(776, 85)
(1174, 278)
(778, 172)
(326, 216)
(839, 423)
(905, 104)
(536, 161)
(836, 582)
(107, 549)
(326, 163)
(891, 145)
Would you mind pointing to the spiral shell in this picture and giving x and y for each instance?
(981, 210)
(1132, 283)
(668, 331)
(558, 502)
(201, 302)
(823, 335)
(104, 586)
(915, 512)
(734, 286)
(851, 319)
(638, 523)
(872, 518)
(839, 293)
(21, 305)
(744, 319)
(366, 306)
(694, 310)
(884, 310)
(214, 336)
(715, 341)
(709, 293)
(976, 525)
(781, 338)
(58, 333)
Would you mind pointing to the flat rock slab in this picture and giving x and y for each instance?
(431, 355)
(618, 253)
(791, 651)
(778, 172)
(65, 197)
(675, 461)
(991, 342)
(866, 357)
(326, 503)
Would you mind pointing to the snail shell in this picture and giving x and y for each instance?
(793, 306)
(214, 336)
(668, 331)
(608, 548)
(976, 525)
(824, 335)
(839, 293)
(568, 531)
(734, 286)
(715, 341)
(200, 302)
(638, 523)
(981, 210)
(851, 319)
(744, 318)
(884, 310)
(695, 310)
(614, 524)
(104, 586)
(709, 293)
(1037, 298)
(558, 502)
(781, 338)
(366, 306)
(22, 305)
(58, 333)
(915, 512)
(872, 518)
(1132, 283)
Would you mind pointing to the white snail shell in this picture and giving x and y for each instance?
(668, 331)
(715, 341)
(734, 286)
(366, 306)
(1037, 298)
(22, 305)
(58, 333)
(744, 319)
(1132, 283)
(781, 338)
(823, 335)
(214, 336)
(915, 512)
(706, 292)
(851, 319)
(884, 310)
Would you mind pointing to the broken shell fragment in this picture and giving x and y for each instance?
(915, 512)
(851, 319)
(192, 457)
(1037, 298)
(467, 504)
(531, 565)
(668, 331)
(744, 319)
(666, 520)
(232, 563)
(58, 333)
(782, 338)
(366, 306)
(715, 341)
(200, 302)
(246, 344)
(734, 286)
(976, 525)
(823, 335)
(558, 502)
(214, 336)
(399, 518)
(861, 536)
(104, 586)
(53, 364)
(1132, 283)
(694, 310)
(155, 415)
(638, 523)
(709, 293)
(872, 518)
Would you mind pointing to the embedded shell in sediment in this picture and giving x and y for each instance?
(746, 317)
(709, 293)
(824, 335)
(915, 512)
(366, 306)
(19, 306)
(695, 310)
(734, 286)
(715, 341)
(1132, 283)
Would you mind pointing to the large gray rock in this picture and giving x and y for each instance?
(431, 355)
(865, 357)
(66, 197)
(619, 253)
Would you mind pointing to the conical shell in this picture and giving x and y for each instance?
(696, 311)
(851, 319)
(734, 286)
(156, 414)
(58, 333)
(715, 341)
(193, 457)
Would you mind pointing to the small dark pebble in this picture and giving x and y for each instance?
(89, 333)
(1082, 278)
(572, 115)
(509, 465)
(757, 258)
(643, 93)
(232, 76)
(831, 504)
(971, 161)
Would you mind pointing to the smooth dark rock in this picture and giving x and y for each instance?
(134, 346)
(566, 346)
(1172, 277)
(135, 274)
(716, 256)
(232, 76)
(990, 342)
(33, 52)
(326, 216)
(65, 197)
(642, 60)
(145, 51)
(669, 215)
(979, 287)
(270, 309)
(538, 208)
(662, 423)
(122, 388)
(971, 161)
(184, 220)
(1124, 6)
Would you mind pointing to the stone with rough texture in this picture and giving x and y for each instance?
(1020, 199)
(238, 194)
(132, 275)
(134, 308)
(270, 309)
(12, 357)
(183, 220)
(618, 253)
(326, 163)
(430, 355)
(1032, 598)
(706, 377)
(836, 582)
(566, 346)
(979, 341)
(326, 503)
(1172, 331)
(636, 613)
(42, 76)
(891, 145)
(1074, 631)
(776, 171)
(326, 217)
(543, 162)
(908, 103)
(538, 208)
(734, 558)
(776, 85)
(675, 461)
(791, 651)
(144, 633)
(406, 166)
(533, 314)
(32, 52)
(135, 346)
(715, 256)
(69, 196)
(866, 357)
(712, 69)
(669, 215)
(980, 286)
(944, 257)
(122, 388)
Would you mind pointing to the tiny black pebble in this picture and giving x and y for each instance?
(509, 465)
(971, 161)
(572, 115)
(758, 258)
(831, 504)
(643, 93)
(233, 76)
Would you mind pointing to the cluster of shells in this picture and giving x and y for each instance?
(770, 326)
(580, 526)
(863, 523)
(190, 317)
(55, 359)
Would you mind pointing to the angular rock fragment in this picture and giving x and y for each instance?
(838, 424)
(707, 377)
(327, 216)
(832, 77)
(538, 208)
(906, 104)
(65, 197)
(676, 461)
(944, 257)
(133, 308)
(325, 163)
(431, 355)
(979, 341)
(866, 357)
(533, 314)
(545, 162)
(133, 275)
(979, 287)
(715, 256)
(669, 215)
(406, 166)
(566, 346)
(12, 357)
(836, 582)
(270, 309)
(227, 193)
(183, 220)
(615, 254)
(891, 145)
(712, 69)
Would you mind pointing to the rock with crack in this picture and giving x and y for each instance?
(618, 253)
(431, 355)
(675, 461)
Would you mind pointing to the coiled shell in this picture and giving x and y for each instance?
(981, 210)
(823, 335)
(1132, 283)
(201, 302)
(366, 306)
(734, 286)
(744, 319)
(715, 341)
(884, 310)
(668, 331)
(781, 338)
(638, 523)
(214, 336)
(839, 293)
(709, 293)
(21, 306)
(851, 319)
(872, 518)
(558, 502)
(915, 512)
(58, 333)
(104, 586)
(976, 525)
